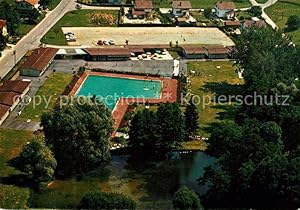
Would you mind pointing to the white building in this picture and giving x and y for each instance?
(181, 8)
(3, 28)
(225, 10)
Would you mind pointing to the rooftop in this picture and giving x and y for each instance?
(108, 51)
(225, 5)
(3, 110)
(181, 5)
(215, 49)
(8, 98)
(232, 23)
(17, 86)
(2, 24)
(251, 23)
(193, 49)
(39, 58)
(143, 4)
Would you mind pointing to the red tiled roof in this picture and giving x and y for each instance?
(8, 98)
(217, 50)
(225, 5)
(143, 4)
(108, 51)
(232, 23)
(3, 110)
(17, 86)
(193, 49)
(2, 24)
(181, 5)
(259, 24)
(32, 2)
(39, 58)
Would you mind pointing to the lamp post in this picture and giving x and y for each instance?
(15, 56)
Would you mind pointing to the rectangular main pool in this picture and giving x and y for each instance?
(110, 89)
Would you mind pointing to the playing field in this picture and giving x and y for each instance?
(88, 36)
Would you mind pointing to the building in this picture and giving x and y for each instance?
(217, 52)
(253, 23)
(193, 51)
(11, 93)
(142, 9)
(107, 54)
(37, 62)
(3, 27)
(31, 3)
(181, 8)
(225, 10)
(232, 24)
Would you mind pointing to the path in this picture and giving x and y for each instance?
(264, 15)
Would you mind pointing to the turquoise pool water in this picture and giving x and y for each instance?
(110, 89)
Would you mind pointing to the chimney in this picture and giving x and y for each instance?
(180, 3)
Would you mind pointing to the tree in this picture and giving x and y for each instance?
(9, 13)
(78, 133)
(44, 3)
(171, 127)
(293, 22)
(102, 200)
(256, 11)
(37, 160)
(207, 13)
(185, 198)
(2, 42)
(191, 119)
(142, 133)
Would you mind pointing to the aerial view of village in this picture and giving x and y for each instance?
(150, 104)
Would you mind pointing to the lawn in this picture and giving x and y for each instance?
(281, 11)
(209, 79)
(77, 18)
(53, 4)
(51, 89)
(11, 142)
(261, 1)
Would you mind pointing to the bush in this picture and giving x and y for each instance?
(293, 22)
(102, 200)
(186, 199)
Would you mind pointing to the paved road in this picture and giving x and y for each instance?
(264, 15)
(32, 39)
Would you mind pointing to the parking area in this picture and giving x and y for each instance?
(89, 36)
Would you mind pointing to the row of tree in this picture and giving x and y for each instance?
(258, 162)
(154, 134)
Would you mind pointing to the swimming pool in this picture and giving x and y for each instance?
(110, 89)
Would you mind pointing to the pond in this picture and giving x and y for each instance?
(150, 184)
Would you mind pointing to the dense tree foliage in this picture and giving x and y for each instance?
(36, 160)
(293, 22)
(185, 198)
(256, 11)
(156, 133)
(78, 134)
(3, 42)
(258, 154)
(191, 119)
(9, 13)
(102, 200)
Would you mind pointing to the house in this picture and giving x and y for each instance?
(217, 52)
(11, 93)
(253, 23)
(225, 10)
(142, 9)
(107, 54)
(232, 24)
(37, 62)
(181, 8)
(193, 51)
(3, 27)
(32, 3)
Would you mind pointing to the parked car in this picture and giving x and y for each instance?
(105, 42)
(100, 42)
(111, 42)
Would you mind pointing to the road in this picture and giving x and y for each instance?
(32, 39)
(264, 15)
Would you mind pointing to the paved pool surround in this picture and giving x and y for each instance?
(168, 93)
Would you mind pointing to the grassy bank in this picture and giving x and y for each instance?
(50, 90)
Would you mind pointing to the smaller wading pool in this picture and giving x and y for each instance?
(110, 89)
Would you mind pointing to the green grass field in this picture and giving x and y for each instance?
(78, 18)
(208, 79)
(51, 89)
(11, 142)
(281, 11)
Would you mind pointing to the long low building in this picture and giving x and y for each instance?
(205, 51)
(107, 54)
(11, 93)
(37, 62)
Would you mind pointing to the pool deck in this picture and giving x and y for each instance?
(168, 93)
